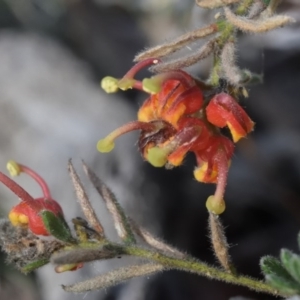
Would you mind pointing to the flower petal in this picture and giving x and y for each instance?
(206, 173)
(223, 110)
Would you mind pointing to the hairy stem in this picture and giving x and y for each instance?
(243, 7)
(227, 31)
(195, 266)
(214, 75)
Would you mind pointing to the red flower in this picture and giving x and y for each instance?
(175, 120)
(27, 212)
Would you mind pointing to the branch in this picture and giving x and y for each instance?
(200, 268)
(188, 264)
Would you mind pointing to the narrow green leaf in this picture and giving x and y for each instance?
(291, 262)
(34, 265)
(57, 226)
(278, 276)
(298, 240)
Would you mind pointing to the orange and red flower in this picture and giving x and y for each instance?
(175, 120)
(27, 212)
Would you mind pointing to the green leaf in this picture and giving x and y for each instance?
(278, 276)
(291, 262)
(34, 265)
(271, 265)
(57, 226)
(288, 287)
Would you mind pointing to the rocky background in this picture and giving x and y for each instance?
(52, 56)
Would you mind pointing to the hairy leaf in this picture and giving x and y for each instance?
(278, 276)
(291, 262)
(57, 227)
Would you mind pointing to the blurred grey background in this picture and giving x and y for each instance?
(52, 57)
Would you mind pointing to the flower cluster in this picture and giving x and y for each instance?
(177, 119)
